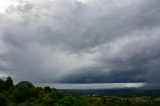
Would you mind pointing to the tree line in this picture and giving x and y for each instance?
(26, 94)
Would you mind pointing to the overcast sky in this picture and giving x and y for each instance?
(81, 41)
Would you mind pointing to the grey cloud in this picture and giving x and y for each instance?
(70, 41)
(100, 75)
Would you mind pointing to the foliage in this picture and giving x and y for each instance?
(25, 94)
(47, 89)
(3, 101)
(2, 85)
(25, 84)
(8, 82)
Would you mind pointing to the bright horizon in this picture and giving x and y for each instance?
(91, 85)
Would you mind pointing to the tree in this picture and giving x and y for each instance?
(24, 84)
(8, 82)
(2, 85)
(47, 89)
(24, 91)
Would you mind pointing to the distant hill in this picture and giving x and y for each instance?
(118, 92)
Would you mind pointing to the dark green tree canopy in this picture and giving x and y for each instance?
(47, 89)
(3, 100)
(2, 85)
(8, 82)
(24, 84)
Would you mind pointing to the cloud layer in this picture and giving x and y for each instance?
(81, 42)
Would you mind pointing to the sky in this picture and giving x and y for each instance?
(81, 41)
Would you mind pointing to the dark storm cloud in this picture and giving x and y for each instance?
(92, 75)
(72, 41)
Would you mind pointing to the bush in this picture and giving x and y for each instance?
(3, 100)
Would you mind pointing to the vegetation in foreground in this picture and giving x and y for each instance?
(25, 94)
